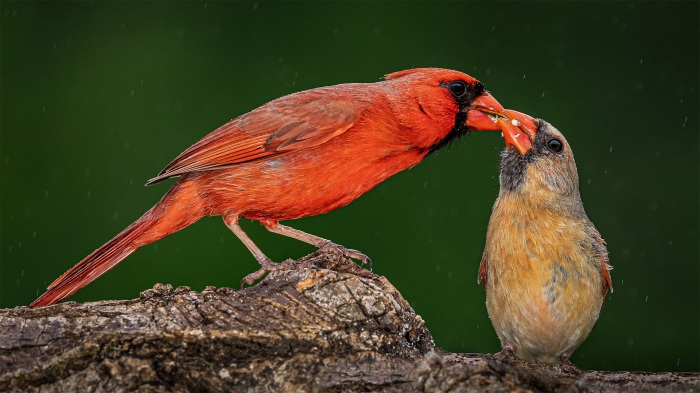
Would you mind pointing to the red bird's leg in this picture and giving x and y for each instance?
(321, 243)
(266, 264)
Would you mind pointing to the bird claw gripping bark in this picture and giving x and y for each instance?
(505, 354)
(339, 250)
(268, 267)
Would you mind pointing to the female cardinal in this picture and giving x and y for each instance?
(545, 267)
(301, 155)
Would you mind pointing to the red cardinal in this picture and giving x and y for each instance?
(545, 267)
(301, 155)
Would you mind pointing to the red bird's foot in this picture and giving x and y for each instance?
(347, 252)
(268, 266)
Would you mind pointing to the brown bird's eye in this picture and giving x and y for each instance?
(555, 145)
(458, 89)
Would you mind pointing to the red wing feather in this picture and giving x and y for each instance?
(299, 121)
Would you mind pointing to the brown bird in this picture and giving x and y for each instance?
(301, 155)
(545, 266)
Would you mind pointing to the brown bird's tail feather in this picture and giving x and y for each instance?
(167, 216)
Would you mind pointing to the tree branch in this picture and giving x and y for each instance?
(328, 325)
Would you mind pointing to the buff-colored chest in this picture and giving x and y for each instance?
(543, 281)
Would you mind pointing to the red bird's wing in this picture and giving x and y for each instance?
(295, 122)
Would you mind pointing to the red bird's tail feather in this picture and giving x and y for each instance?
(166, 217)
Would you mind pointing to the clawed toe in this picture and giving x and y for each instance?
(253, 277)
(347, 252)
(268, 267)
(506, 353)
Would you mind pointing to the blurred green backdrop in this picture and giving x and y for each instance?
(96, 98)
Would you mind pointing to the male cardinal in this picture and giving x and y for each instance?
(301, 155)
(545, 267)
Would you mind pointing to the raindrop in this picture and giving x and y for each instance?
(542, 94)
(646, 299)
(610, 149)
(34, 235)
(523, 76)
(132, 92)
(493, 27)
(640, 61)
(589, 180)
(678, 362)
(255, 6)
(425, 184)
(89, 194)
(43, 109)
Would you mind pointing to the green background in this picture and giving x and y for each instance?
(99, 97)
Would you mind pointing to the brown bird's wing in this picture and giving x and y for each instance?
(481, 279)
(295, 122)
(601, 253)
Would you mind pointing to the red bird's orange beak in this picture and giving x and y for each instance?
(483, 113)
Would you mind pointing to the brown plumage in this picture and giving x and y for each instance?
(545, 266)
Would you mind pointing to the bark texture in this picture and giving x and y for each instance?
(326, 326)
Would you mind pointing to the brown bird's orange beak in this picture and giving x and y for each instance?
(518, 129)
(487, 114)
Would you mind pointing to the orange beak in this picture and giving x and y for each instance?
(518, 130)
(483, 113)
(487, 114)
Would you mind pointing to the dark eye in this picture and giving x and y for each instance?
(555, 145)
(458, 89)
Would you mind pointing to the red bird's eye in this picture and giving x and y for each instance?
(555, 145)
(458, 89)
